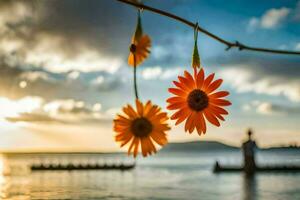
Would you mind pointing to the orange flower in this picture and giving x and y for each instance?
(140, 48)
(196, 100)
(144, 126)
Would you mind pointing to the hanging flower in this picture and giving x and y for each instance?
(196, 100)
(140, 45)
(141, 127)
(196, 58)
(140, 49)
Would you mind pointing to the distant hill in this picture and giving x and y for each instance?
(215, 146)
(197, 146)
(285, 148)
(194, 146)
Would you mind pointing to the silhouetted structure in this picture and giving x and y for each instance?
(248, 148)
(249, 165)
(69, 167)
(266, 168)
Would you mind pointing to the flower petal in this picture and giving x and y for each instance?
(130, 112)
(147, 108)
(176, 106)
(220, 102)
(207, 81)
(214, 85)
(200, 79)
(186, 83)
(175, 99)
(218, 109)
(219, 94)
(159, 137)
(184, 111)
(193, 122)
(142, 51)
(139, 107)
(132, 145)
(211, 118)
(200, 125)
(178, 92)
(190, 79)
(144, 147)
(189, 122)
(126, 140)
(136, 147)
(180, 85)
(151, 146)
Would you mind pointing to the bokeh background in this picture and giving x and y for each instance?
(64, 72)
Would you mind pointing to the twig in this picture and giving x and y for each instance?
(229, 45)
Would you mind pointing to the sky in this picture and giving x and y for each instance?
(64, 72)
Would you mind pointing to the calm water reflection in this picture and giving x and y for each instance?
(165, 176)
(249, 187)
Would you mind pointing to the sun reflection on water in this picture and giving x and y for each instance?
(3, 181)
(1, 168)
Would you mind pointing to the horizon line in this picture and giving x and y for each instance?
(68, 151)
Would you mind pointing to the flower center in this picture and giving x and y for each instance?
(197, 100)
(132, 48)
(141, 127)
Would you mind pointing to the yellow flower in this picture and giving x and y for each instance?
(141, 127)
(140, 45)
(140, 49)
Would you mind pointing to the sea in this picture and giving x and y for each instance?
(166, 175)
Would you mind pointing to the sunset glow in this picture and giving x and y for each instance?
(68, 73)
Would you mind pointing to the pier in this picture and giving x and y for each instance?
(274, 168)
(70, 167)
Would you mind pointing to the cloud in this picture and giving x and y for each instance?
(37, 110)
(74, 75)
(31, 118)
(71, 107)
(297, 47)
(250, 81)
(297, 12)
(86, 61)
(52, 53)
(160, 52)
(17, 82)
(269, 76)
(269, 108)
(270, 19)
(65, 50)
(39, 34)
(151, 73)
(106, 82)
(34, 76)
(113, 112)
(253, 24)
(283, 47)
(98, 81)
(21, 13)
(171, 73)
(11, 108)
(273, 17)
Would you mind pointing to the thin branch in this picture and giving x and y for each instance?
(229, 45)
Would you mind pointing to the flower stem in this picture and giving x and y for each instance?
(134, 78)
(195, 72)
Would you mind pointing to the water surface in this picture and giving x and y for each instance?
(177, 175)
